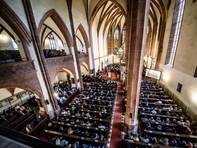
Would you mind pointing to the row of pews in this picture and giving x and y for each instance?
(86, 120)
(18, 123)
(161, 119)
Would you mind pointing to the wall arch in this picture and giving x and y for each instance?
(84, 35)
(60, 24)
(22, 86)
(99, 4)
(11, 18)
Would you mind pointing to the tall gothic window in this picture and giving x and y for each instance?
(175, 31)
(109, 42)
(116, 39)
(52, 44)
(124, 34)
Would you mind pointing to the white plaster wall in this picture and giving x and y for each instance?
(186, 55)
(40, 7)
(17, 7)
(4, 93)
(171, 77)
(62, 76)
(17, 90)
(83, 70)
(79, 15)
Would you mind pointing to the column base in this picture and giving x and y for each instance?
(130, 125)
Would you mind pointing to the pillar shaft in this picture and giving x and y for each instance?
(136, 40)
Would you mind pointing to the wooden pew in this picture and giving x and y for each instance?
(73, 136)
(24, 122)
(19, 120)
(86, 118)
(68, 100)
(10, 120)
(91, 111)
(142, 144)
(93, 105)
(166, 110)
(163, 116)
(79, 126)
(169, 134)
(39, 128)
(162, 104)
(161, 123)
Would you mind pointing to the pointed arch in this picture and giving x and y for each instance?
(101, 3)
(11, 18)
(60, 24)
(23, 86)
(84, 35)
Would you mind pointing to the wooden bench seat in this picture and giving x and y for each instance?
(10, 120)
(79, 126)
(163, 116)
(162, 104)
(73, 136)
(39, 128)
(166, 110)
(93, 105)
(19, 120)
(140, 143)
(86, 118)
(24, 122)
(170, 134)
(91, 111)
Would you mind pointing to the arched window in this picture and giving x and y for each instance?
(175, 31)
(109, 42)
(116, 39)
(124, 34)
(51, 39)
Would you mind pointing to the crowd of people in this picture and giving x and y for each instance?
(63, 90)
(87, 117)
(162, 121)
(17, 109)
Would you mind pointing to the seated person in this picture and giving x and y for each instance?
(39, 119)
(152, 119)
(104, 110)
(149, 127)
(159, 128)
(167, 120)
(78, 114)
(187, 123)
(164, 141)
(95, 136)
(70, 131)
(158, 119)
(28, 128)
(88, 123)
(77, 144)
(145, 139)
(61, 129)
(154, 112)
(83, 123)
(87, 134)
(61, 142)
(135, 137)
(101, 126)
(77, 122)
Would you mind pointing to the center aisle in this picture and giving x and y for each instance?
(116, 128)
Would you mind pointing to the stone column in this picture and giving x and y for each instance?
(136, 41)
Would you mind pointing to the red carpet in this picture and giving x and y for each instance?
(116, 129)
